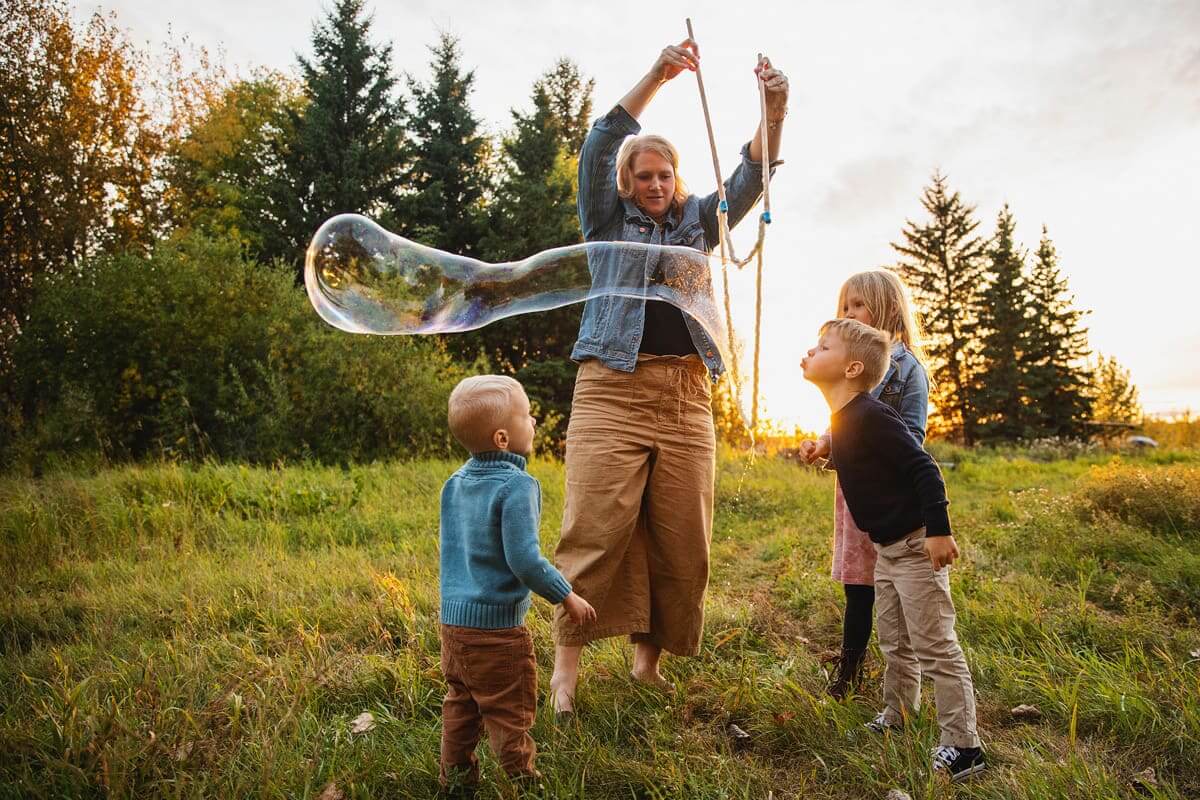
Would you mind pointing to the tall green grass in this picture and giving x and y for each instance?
(211, 631)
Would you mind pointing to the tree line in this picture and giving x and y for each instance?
(1007, 348)
(115, 167)
(107, 154)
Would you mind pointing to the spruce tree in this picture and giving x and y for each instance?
(347, 150)
(999, 381)
(569, 101)
(534, 205)
(1056, 350)
(941, 261)
(534, 210)
(447, 178)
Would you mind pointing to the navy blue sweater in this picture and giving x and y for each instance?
(891, 485)
(490, 554)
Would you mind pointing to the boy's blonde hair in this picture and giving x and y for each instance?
(863, 343)
(886, 297)
(478, 407)
(647, 143)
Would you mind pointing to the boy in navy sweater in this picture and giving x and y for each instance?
(490, 560)
(895, 493)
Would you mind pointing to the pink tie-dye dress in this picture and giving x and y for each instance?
(853, 552)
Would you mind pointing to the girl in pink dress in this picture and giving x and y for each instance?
(879, 299)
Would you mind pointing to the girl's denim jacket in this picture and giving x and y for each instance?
(611, 328)
(905, 387)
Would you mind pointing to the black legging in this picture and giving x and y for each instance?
(856, 625)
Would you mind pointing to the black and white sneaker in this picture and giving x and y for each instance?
(958, 764)
(881, 724)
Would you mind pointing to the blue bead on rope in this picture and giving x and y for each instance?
(766, 217)
(723, 206)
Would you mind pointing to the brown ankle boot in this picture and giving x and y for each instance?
(849, 673)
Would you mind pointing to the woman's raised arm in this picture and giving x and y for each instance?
(673, 60)
(777, 97)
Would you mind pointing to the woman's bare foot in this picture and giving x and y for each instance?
(565, 678)
(645, 670)
(562, 698)
(654, 680)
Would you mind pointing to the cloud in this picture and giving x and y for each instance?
(1097, 83)
(870, 186)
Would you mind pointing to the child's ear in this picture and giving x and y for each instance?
(500, 439)
(854, 369)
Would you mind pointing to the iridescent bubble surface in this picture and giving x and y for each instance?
(362, 278)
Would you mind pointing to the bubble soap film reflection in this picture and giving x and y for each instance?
(364, 279)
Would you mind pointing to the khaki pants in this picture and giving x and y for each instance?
(637, 519)
(492, 684)
(915, 619)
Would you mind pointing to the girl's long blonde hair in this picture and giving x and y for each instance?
(887, 300)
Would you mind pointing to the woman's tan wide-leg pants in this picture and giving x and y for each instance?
(637, 520)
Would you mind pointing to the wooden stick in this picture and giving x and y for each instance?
(766, 145)
(712, 144)
(758, 283)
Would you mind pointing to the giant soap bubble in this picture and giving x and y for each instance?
(364, 279)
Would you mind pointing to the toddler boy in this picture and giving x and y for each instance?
(490, 560)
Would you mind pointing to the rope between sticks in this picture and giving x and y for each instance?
(725, 242)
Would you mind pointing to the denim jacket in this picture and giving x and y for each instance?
(905, 387)
(611, 328)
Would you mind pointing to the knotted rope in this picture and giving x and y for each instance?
(726, 244)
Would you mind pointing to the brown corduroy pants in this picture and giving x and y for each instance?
(492, 684)
(637, 520)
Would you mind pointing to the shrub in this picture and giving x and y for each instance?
(1164, 499)
(197, 351)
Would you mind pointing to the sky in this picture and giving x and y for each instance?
(1083, 116)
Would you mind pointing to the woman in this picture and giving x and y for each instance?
(640, 444)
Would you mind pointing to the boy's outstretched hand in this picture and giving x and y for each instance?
(942, 550)
(579, 610)
(811, 450)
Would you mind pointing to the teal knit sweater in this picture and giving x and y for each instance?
(490, 555)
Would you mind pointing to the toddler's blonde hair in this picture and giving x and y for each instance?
(478, 407)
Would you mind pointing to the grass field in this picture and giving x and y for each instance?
(212, 630)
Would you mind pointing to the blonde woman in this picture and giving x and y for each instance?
(640, 444)
(876, 298)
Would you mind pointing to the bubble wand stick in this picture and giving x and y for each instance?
(765, 220)
(722, 205)
(726, 244)
(722, 221)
